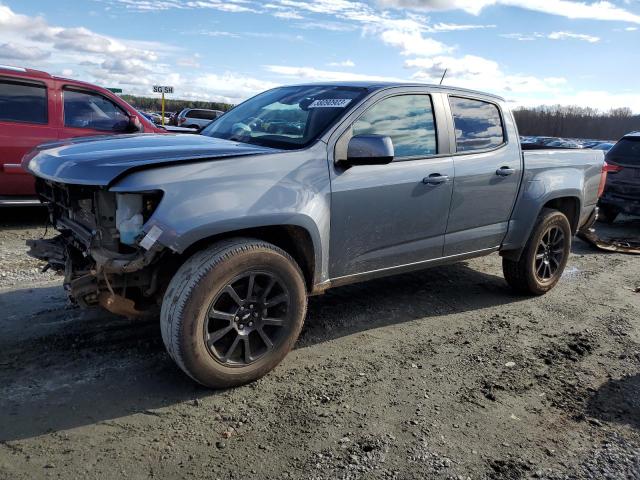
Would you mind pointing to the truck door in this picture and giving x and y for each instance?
(27, 119)
(385, 216)
(488, 171)
(86, 112)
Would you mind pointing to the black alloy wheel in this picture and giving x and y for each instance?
(248, 318)
(549, 254)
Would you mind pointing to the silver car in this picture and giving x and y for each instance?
(197, 117)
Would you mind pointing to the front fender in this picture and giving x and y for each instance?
(205, 199)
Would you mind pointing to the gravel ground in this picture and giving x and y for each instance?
(439, 374)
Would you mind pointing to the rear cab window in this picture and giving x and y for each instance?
(83, 109)
(626, 151)
(23, 102)
(407, 119)
(478, 124)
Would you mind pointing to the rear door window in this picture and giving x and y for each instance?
(407, 119)
(93, 111)
(23, 102)
(202, 114)
(478, 124)
(626, 151)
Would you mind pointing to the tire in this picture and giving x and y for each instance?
(608, 214)
(199, 306)
(531, 274)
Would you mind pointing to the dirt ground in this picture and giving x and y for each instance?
(439, 374)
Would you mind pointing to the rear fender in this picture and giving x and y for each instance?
(536, 192)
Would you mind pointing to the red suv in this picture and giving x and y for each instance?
(36, 107)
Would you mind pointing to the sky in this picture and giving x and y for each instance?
(532, 52)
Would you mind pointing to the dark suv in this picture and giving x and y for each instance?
(622, 191)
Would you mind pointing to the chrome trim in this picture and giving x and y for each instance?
(12, 68)
(20, 202)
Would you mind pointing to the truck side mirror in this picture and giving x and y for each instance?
(369, 150)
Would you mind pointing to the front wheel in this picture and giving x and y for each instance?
(233, 311)
(544, 258)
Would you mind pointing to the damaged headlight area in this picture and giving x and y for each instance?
(98, 248)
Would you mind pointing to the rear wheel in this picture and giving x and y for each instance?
(544, 258)
(233, 312)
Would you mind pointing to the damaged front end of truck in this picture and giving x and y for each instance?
(112, 250)
(101, 250)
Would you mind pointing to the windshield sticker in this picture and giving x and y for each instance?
(330, 103)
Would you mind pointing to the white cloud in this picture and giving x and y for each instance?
(528, 37)
(35, 31)
(344, 63)
(575, 36)
(288, 15)
(470, 71)
(115, 62)
(413, 43)
(234, 6)
(14, 51)
(311, 74)
(453, 27)
(218, 33)
(596, 10)
(192, 61)
(228, 87)
(522, 37)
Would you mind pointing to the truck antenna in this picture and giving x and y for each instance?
(443, 75)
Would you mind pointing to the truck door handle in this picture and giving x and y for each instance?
(505, 171)
(435, 179)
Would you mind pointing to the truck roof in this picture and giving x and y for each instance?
(382, 85)
(39, 74)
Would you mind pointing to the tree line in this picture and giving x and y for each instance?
(576, 122)
(151, 104)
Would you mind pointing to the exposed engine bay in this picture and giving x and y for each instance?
(98, 248)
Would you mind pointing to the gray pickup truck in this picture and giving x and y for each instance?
(297, 190)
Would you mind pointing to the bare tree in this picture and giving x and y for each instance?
(576, 122)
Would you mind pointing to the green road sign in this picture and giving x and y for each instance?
(115, 90)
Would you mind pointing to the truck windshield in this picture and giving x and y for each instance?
(286, 117)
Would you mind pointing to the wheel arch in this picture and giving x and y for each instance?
(567, 203)
(294, 239)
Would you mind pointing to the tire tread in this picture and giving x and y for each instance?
(189, 276)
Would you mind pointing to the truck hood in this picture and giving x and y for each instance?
(100, 160)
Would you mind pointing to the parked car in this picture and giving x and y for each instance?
(36, 107)
(563, 143)
(622, 191)
(231, 229)
(604, 146)
(591, 143)
(197, 117)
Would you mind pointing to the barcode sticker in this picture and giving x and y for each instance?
(330, 103)
(151, 238)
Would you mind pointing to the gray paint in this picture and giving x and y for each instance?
(364, 220)
(101, 160)
(551, 174)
